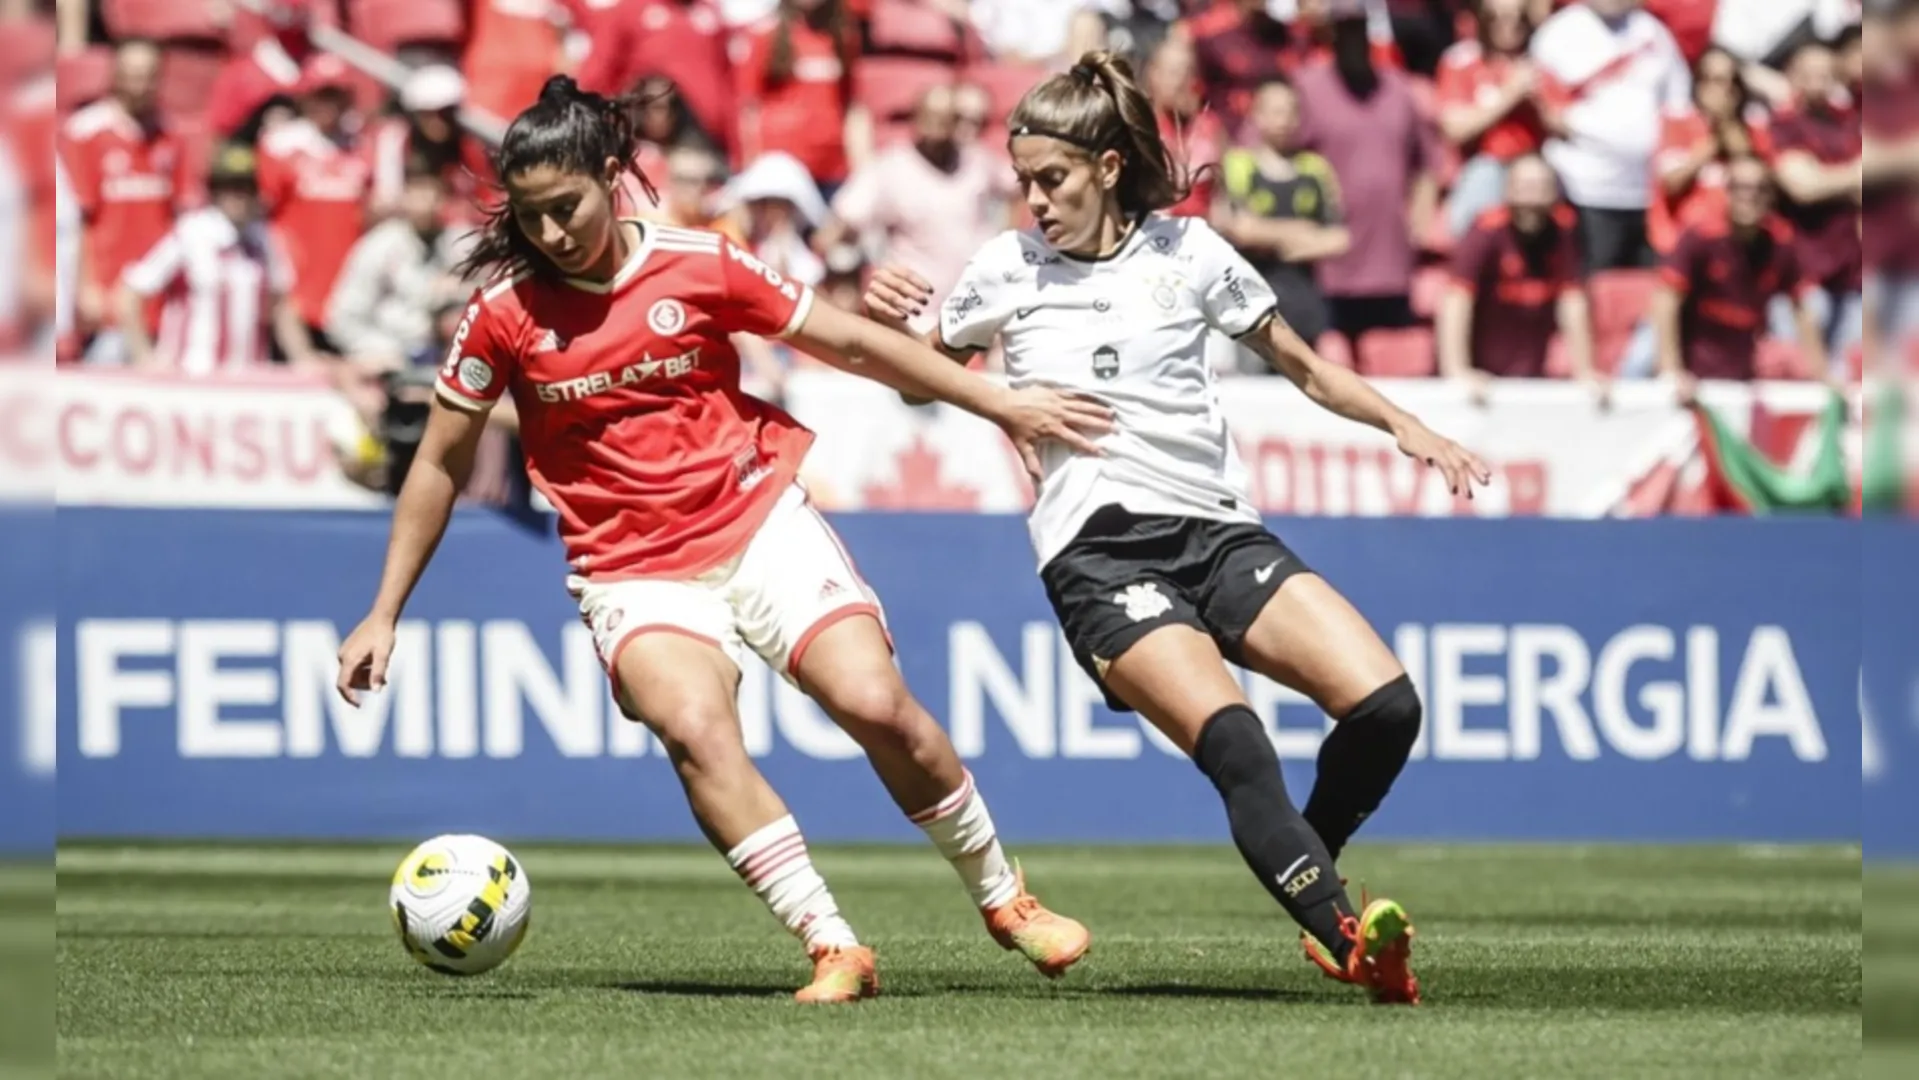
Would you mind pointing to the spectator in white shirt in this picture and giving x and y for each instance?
(1611, 72)
(381, 312)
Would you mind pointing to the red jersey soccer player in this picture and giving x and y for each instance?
(691, 543)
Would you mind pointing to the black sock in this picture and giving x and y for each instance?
(1360, 759)
(1284, 852)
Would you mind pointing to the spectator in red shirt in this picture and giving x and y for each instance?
(314, 184)
(127, 173)
(1488, 107)
(1193, 133)
(512, 48)
(1717, 282)
(427, 134)
(680, 40)
(1891, 169)
(1689, 169)
(1517, 280)
(795, 87)
(268, 73)
(1242, 45)
(1821, 170)
(1363, 120)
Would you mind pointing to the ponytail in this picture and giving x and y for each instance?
(1098, 106)
(572, 130)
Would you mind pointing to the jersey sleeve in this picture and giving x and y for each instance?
(1676, 270)
(980, 304)
(757, 299)
(83, 169)
(153, 272)
(1473, 256)
(1234, 297)
(481, 359)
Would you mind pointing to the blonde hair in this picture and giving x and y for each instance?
(1096, 107)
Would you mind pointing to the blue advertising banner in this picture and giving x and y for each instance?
(1889, 687)
(26, 680)
(1657, 680)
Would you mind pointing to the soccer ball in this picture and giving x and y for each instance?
(461, 904)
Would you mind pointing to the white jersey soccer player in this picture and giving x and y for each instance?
(1151, 553)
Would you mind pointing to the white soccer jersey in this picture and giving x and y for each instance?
(1131, 330)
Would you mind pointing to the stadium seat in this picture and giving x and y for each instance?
(911, 28)
(890, 87)
(161, 20)
(1004, 84)
(1333, 348)
(389, 24)
(83, 77)
(1398, 354)
(1620, 299)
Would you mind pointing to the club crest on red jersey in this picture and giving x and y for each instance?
(666, 317)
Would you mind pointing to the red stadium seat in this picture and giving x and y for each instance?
(161, 20)
(1620, 300)
(1398, 354)
(891, 87)
(1004, 84)
(912, 28)
(389, 24)
(1333, 348)
(83, 78)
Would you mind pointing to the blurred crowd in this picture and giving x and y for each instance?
(1468, 189)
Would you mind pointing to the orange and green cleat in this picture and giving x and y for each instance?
(842, 974)
(1052, 942)
(1381, 960)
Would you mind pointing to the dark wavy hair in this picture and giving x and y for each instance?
(569, 129)
(1099, 106)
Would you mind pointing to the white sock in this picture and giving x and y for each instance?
(774, 864)
(963, 831)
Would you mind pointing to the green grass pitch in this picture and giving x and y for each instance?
(1538, 961)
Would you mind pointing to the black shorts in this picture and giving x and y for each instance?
(1126, 575)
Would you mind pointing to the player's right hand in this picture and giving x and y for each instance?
(363, 658)
(896, 295)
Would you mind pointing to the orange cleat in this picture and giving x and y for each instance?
(842, 974)
(1052, 942)
(1381, 960)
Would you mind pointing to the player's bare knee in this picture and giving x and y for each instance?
(873, 708)
(702, 739)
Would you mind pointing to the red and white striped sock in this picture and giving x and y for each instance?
(962, 830)
(774, 864)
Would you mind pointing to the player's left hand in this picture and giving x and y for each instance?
(1461, 467)
(1038, 413)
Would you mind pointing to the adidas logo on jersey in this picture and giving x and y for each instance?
(551, 341)
(831, 589)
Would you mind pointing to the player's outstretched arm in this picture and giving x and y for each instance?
(1340, 391)
(1028, 416)
(896, 295)
(440, 470)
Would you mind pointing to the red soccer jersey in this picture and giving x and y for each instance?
(631, 413)
(1828, 232)
(127, 181)
(1516, 286)
(803, 114)
(1469, 78)
(1726, 285)
(1704, 203)
(315, 193)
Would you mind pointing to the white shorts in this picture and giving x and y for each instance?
(793, 581)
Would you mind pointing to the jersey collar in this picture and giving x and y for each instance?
(1132, 241)
(634, 260)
